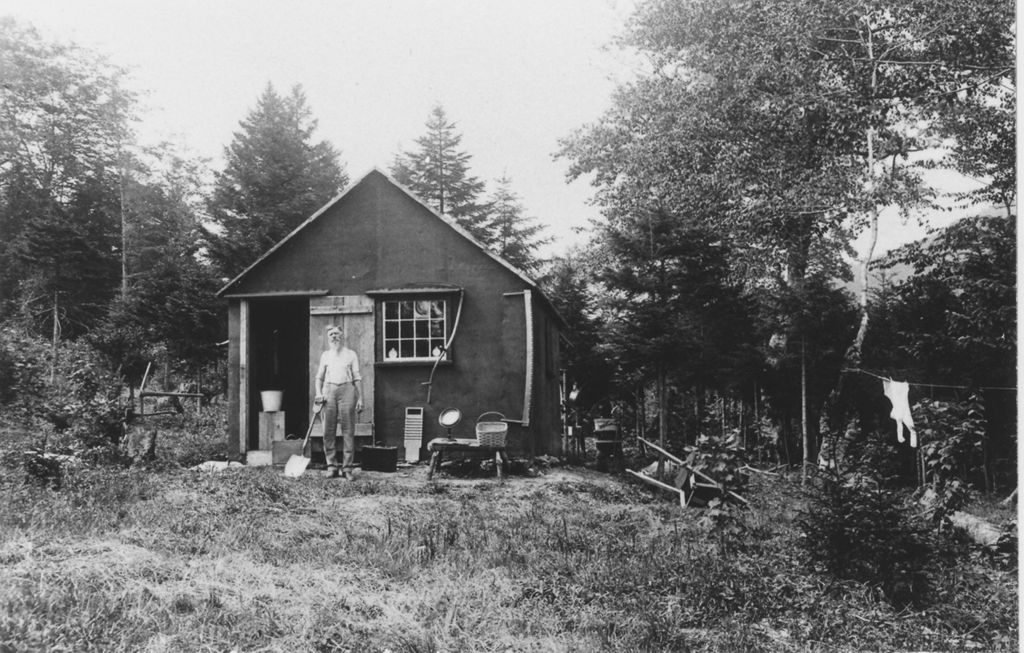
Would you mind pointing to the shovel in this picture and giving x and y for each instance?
(297, 464)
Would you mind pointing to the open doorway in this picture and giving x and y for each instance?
(278, 360)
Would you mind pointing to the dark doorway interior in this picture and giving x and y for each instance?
(279, 360)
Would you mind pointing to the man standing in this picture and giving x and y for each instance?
(339, 383)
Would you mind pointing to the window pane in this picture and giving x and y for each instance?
(414, 328)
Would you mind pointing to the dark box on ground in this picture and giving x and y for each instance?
(379, 459)
(285, 449)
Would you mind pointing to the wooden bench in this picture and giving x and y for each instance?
(439, 446)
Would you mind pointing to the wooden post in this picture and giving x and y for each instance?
(243, 376)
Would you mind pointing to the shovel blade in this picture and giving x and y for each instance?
(295, 466)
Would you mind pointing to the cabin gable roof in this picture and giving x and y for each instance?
(338, 199)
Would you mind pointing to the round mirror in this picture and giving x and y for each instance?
(449, 417)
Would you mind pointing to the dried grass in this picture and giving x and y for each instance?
(173, 560)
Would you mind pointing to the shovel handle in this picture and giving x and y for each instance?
(317, 407)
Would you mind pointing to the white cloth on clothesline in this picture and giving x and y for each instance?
(897, 393)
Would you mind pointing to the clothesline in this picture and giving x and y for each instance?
(931, 385)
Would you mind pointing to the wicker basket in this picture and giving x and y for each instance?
(491, 433)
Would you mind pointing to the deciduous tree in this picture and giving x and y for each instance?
(787, 125)
(65, 117)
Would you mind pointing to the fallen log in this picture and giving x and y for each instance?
(983, 532)
(748, 468)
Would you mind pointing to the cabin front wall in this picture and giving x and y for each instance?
(377, 237)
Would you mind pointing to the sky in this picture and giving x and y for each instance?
(515, 77)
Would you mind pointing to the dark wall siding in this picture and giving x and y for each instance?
(378, 237)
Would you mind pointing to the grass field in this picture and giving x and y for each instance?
(169, 559)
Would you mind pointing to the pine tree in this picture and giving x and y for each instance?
(516, 236)
(275, 178)
(68, 255)
(438, 173)
(570, 282)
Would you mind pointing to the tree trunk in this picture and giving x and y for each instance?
(721, 403)
(698, 411)
(56, 338)
(662, 418)
(757, 426)
(803, 413)
(786, 432)
(641, 418)
(833, 417)
(124, 237)
(743, 423)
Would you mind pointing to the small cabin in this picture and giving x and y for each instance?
(436, 320)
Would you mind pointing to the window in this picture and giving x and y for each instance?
(414, 329)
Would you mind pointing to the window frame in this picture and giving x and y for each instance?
(408, 321)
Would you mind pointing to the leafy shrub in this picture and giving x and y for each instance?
(877, 450)
(82, 403)
(857, 530)
(24, 363)
(952, 436)
(42, 469)
(726, 523)
(85, 400)
(721, 461)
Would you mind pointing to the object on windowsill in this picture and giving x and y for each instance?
(392, 353)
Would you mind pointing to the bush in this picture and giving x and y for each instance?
(82, 404)
(952, 441)
(857, 530)
(24, 364)
(720, 460)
